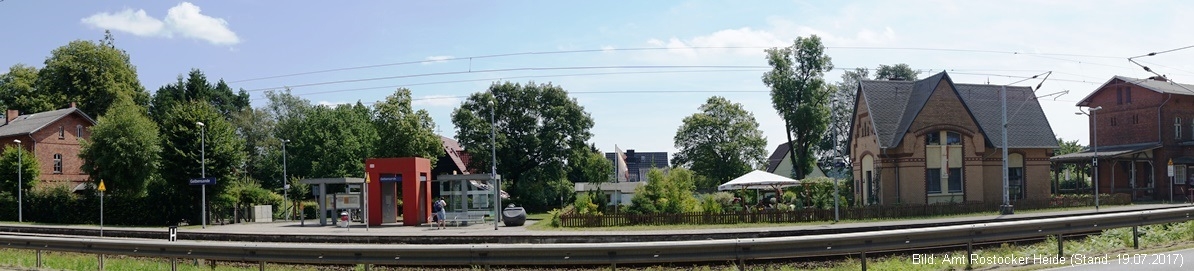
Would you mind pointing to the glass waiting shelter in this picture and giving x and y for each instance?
(348, 199)
(469, 197)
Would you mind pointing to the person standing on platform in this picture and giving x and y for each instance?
(437, 210)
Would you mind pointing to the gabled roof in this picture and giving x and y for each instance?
(28, 124)
(894, 105)
(453, 150)
(777, 157)
(1155, 85)
(780, 154)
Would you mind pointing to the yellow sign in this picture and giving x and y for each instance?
(366, 177)
(1170, 162)
(101, 187)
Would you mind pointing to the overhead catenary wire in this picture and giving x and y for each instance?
(503, 69)
(491, 79)
(470, 58)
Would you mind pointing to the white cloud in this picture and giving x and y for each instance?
(185, 19)
(437, 59)
(135, 22)
(331, 104)
(437, 100)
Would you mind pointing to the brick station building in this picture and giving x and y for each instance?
(53, 137)
(935, 141)
(1141, 125)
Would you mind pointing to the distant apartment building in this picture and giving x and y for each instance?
(639, 163)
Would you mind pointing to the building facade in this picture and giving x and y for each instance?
(934, 141)
(1137, 127)
(53, 137)
(639, 163)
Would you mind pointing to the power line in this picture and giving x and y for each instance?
(603, 92)
(655, 49)
(514, 77)
(517, 69)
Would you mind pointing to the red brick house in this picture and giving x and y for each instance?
(1142, 124)
(53, 137)
(934, 141)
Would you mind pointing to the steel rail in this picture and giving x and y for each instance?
(563, 254)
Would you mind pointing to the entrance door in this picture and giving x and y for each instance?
(389, 204)
(869, 193)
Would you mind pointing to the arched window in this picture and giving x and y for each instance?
(943, 166)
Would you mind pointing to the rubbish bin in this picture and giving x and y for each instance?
(514, 216)
(344, 219)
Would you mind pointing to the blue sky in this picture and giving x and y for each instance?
(1083, 42)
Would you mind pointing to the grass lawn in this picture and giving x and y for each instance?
(1156, 239)
(543, 224)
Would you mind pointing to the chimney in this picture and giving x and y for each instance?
(11, 115)
(72, 104)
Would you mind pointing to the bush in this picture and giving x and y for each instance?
(717, 202)
(585, 206)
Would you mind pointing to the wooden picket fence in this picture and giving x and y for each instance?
(570, 219)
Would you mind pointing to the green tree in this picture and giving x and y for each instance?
(1068, 147)
(123, 150)
(896, 72)
(9, 166)
(18, 90)
(92, 74)
(719, 143)
(586, 165)
(196, 88)
(841, 110)
(334, 142)
(666, 193)
(800, 95)
(403, 131)
(263, 151)
(188, 148)
(538, 128)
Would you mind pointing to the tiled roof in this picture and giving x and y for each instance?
(894, 105)
(453, 150)
(1155, 85)
(27, 124)
(777, 156)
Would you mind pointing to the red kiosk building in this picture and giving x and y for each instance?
(413, 175)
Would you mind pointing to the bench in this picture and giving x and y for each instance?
(461, 219)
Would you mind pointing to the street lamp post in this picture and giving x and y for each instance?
(497, 191)
(20, 183)
(203, 168)
(285, 181)
(1094, 145)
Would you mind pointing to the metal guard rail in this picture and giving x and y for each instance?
(603, 253)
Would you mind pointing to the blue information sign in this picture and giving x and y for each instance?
(202, 181)
(391, 178)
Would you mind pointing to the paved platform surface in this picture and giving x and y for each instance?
(312, 227)
(294, 227)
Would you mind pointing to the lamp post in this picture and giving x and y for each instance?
(20, 183)
(497, 191)
(1094, 145)
(203, 168)
(285, 181)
